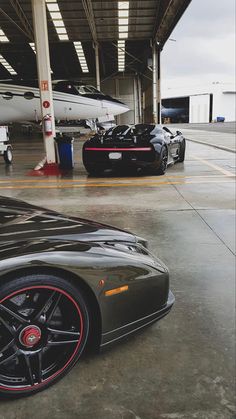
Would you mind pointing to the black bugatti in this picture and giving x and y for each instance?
(65, 284)
(147, 146)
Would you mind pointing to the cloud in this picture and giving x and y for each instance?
(205, 43)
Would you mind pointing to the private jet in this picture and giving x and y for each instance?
(72, 101)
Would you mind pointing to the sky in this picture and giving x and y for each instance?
(204, 51)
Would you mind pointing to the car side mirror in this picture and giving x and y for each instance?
(178, 132)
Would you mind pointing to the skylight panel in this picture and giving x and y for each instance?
(123, 19)
(3, 37)
(80, 53)
(7, 66)
(121, 55)
(123, 5)
(32, 44)
(53, 7)
(59, 23)
(56, 17)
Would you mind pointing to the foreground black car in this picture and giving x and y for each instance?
(66, 283)
(148, 146)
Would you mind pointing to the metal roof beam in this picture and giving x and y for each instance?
(24, 21)
(167, 22)
(88, 8)
(13, 21)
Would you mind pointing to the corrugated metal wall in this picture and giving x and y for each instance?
(125, 90)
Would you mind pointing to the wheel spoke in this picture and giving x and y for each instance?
(48, 307)
(4, 352)
(39, 374)
(34, 372)
(29, 369)
(7, 325)
(10, 312)
(62, 337)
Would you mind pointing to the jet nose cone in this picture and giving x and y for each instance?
(118, 108)
(115, 106)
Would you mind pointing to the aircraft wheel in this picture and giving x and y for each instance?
(8, 156)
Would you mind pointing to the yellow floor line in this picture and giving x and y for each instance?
(103, 180)
(214, 166)
(107, 185)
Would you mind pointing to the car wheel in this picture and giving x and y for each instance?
(182, 151)
(93, 170)
(8, 156)
(44, 324)
(163, 159)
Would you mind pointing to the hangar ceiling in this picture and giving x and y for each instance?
(86, 21)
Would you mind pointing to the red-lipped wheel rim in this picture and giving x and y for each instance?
(41, 330)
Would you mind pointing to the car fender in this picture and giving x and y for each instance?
(101, 269)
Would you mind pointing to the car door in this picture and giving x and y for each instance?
(172, 141)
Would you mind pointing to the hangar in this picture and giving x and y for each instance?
(70, 287)
(202, 104)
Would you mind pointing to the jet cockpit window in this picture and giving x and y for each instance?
(84, 90)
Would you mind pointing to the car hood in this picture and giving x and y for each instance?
(20, 221)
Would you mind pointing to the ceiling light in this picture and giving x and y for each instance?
(53, 7)
(3, 37)
(123, 4)
(121, 55)
(58, 23)
(80, 53)
(7, 66)
(56, 15)
(123, 35)
(123, 28)
(32, 44)
(61, 30)
(57, 20)
(123, 13)
(123, 19)
(63, 37)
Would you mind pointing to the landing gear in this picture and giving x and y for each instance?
(5, 146)
(7, 155)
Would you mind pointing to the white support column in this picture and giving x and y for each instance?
(154, 82)
(96, 47)
(135, 101)
(158, 85)
(139, 100)
(44, 73)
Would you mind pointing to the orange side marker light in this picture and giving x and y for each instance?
(116, 290)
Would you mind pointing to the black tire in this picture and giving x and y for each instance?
(182, 151)
(163, 160)
(93, 170)
(8, 156)
(44, 323)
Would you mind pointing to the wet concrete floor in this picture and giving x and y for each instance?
(182, 367)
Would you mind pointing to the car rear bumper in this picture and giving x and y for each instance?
(123, 332)
(137, 156)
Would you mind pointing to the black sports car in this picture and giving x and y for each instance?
(146, 146)
(66, 283)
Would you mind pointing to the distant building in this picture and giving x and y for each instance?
(199, 104)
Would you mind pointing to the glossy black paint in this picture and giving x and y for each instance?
(36, 240)
(132, 139)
